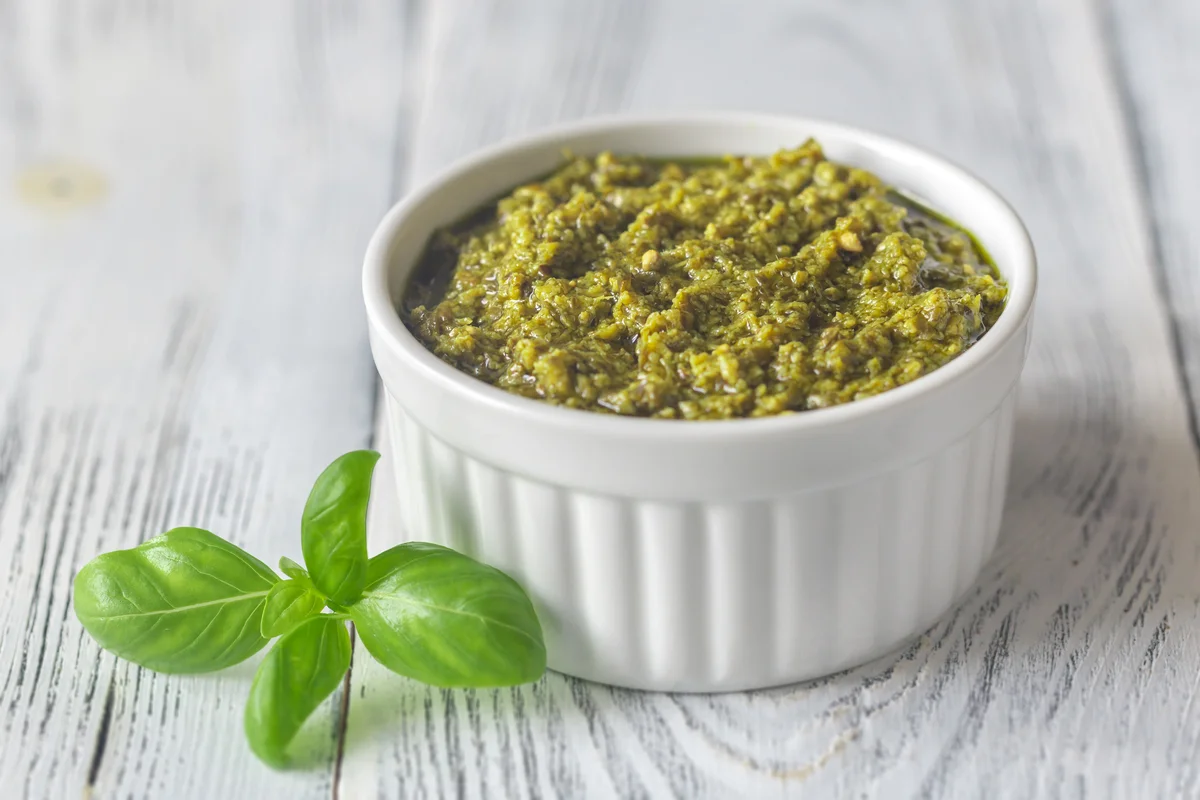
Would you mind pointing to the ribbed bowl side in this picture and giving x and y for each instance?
(719, 596)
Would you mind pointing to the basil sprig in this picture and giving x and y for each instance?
(189, 601)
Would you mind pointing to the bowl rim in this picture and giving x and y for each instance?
(389, 330)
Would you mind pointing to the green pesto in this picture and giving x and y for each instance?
(738, 287)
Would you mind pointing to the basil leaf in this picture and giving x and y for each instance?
(288, 604)
(292, 569)
(333, 530)
(444, 619)
(300, 671)
(185, 601)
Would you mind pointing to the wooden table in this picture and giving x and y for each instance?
(186, 193)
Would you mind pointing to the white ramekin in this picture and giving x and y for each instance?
(709, 556)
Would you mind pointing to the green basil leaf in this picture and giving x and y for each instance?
(299, 672)
(442, 618)
(288, 604)
(292, 569)
(333, 530)
(185, 601)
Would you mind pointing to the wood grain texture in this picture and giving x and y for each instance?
(185, 193)
(1068, 670)
(1158, 82)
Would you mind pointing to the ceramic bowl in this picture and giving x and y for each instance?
(712, 555)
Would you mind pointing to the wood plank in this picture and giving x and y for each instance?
(1158, 81)
(1158, 71)
(1068, 669)
(186, 193)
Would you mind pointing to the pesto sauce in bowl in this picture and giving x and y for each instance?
(702, 289)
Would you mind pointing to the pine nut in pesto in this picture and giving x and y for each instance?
(702, 289)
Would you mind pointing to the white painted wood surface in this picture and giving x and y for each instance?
(186, 189)
(180, 344)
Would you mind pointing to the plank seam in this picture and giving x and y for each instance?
(101, 738)
(413, 16)
(343, 716)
